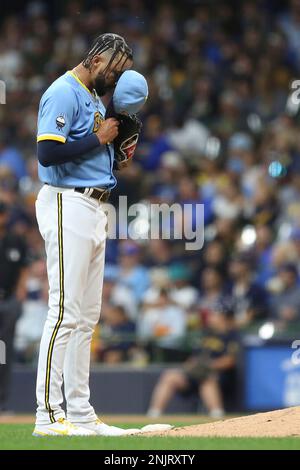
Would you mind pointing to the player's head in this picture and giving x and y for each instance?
(106, 60)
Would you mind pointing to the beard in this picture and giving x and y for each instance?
(101, 86)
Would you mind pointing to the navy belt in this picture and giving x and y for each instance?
(102, 195)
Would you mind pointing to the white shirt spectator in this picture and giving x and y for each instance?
(121, 295)
(165, 324)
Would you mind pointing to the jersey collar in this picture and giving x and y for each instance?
(80, 82)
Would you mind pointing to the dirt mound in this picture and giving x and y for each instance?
(280, 423)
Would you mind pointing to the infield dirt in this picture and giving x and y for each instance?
(279, 423)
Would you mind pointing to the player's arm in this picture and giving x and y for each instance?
(58, 109)
(51, 152)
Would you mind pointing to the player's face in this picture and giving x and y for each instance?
(105, 76)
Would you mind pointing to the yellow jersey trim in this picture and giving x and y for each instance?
(58, 138)
(79, 81)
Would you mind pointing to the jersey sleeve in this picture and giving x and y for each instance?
(56, 114)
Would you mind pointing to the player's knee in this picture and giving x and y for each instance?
(62, 323)
(90, 316)
(88, 324)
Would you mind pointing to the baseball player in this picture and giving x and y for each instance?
(76, 152)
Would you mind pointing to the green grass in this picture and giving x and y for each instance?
(18, 436)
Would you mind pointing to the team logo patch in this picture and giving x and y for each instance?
(60, 122)
(98, 119)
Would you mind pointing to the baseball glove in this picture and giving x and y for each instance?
(126, 141)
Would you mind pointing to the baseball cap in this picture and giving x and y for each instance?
(130, 94)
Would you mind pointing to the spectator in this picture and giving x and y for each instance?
(176, 281)
(215, 256)
(250, 300)
(155, 143)
(159, 254)
(131, 273)
(289, 23)
(207, 371)
(181, 292)
(162, 322)
(265, 207)
(30, 326)
(295, 238)
(262, 253)
(212, 293)
(115, 293)
(229, 202)
(11, 158)
(241, 161)
(13, 277)
(285, 302)
(117, 338)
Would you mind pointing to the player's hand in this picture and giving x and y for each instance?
(108, 131)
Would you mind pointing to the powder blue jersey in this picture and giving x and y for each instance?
(69, 111)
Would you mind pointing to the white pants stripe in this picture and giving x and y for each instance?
(73, 227)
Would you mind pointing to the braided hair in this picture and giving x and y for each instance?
(106, 42)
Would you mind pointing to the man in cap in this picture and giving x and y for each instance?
(210, 369)
(76, 157)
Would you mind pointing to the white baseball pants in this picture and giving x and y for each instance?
(73, 227)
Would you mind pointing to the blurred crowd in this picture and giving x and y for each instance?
(219, 128)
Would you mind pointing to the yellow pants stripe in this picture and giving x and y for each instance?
(61, 307)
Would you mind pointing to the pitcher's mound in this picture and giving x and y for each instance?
(280, 423)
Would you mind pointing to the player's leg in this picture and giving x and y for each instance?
(211, 396)
(171, 381)
(64, 224)
(77, 361)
